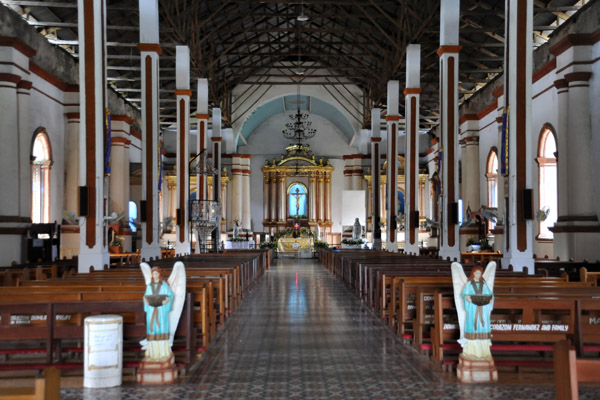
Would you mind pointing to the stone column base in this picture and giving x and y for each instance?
(157, 372)
(476, 371)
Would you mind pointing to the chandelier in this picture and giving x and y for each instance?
(299, 129)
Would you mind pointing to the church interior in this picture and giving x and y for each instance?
(320, 167)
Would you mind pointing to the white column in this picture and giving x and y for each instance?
(273, 197)
(216, 153)
(357, 173)
(322, 205)
(246, 216)
(202, 141)
(470, 172)
(282, 206)
(150, 50)
(393, 119)
(577, 231)
(93, 250)
(183, 95)
(237, 189)
(411, 168)
(266, 197)
(376, 177)
(327, 197)
(517, 86)
(312, 195)
(119, 192)
(448, 53)
(348, 167)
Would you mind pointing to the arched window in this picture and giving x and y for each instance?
(297, 196)
(132, 215)
(491, 174)
(548, 186)
(41, 156)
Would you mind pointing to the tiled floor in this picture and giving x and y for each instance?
(302, 335)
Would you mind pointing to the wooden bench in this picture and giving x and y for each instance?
(46, 387)
(587, 276)
(522, 322)
(51, 330)
(569, 371)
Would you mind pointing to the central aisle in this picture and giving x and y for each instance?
(300, 334)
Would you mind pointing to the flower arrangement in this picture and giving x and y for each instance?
(238, 239)
(320, 244)
(352, 241)
(289, 231)
(268, 245)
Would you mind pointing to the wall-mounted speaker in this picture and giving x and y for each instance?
(453, 213)
(142, 210)
(83, 201)
(528, 203)
(415, 220)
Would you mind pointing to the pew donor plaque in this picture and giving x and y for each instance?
(474, 299)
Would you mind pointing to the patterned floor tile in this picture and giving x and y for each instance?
(301, 335)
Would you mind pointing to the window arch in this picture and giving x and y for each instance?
(133, 214)
(41, 162)
(491, 174)
(548, 183)
(297, 200)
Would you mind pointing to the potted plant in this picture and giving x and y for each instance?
(352, 243)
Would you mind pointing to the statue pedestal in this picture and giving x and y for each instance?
(476, 371)
(157, 372)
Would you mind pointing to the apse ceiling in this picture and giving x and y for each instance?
(343, 43)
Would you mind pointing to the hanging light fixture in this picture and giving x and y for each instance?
(300, 128)
(302, 17)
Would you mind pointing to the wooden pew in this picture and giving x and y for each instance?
(46, 387)
(53, 331)
(512, 311)
(587, 276)
(204, 316)
(569, 371)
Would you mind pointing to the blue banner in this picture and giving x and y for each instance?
(504, 144)
(107, 144)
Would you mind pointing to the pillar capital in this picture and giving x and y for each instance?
(578, 77)
(149, 48)
(561, 84)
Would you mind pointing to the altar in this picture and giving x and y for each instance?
(290, 244)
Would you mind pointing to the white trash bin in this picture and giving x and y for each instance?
(103, 351)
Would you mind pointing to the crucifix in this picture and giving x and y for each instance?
(297, 195)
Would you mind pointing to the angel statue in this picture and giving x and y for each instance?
(163, 303)
(474, 299)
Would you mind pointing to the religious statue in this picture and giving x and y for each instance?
(236, 229)
(163, 303)
(474, 300)
(356, 230)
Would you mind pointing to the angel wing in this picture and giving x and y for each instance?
(177, 282)
(459, 279)
(147, 271)
(489, 275)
